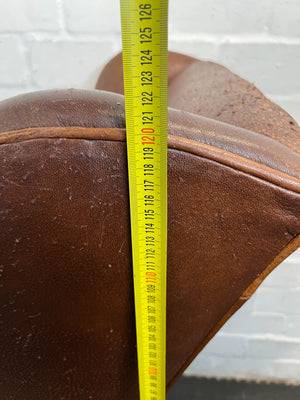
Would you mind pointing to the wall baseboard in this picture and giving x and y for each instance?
(193, 388)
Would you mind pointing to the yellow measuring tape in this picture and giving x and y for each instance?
(145, 64)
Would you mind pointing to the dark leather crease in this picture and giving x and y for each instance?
(66, 107)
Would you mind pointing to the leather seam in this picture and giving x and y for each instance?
(189, 146)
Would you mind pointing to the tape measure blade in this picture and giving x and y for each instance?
(144, 34)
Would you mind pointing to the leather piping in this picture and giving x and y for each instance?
(174, 142)
(58, 132)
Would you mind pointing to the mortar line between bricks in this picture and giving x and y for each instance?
(233, 38)
(61, 16)
(27, 56)
(288, 361)
(222, 357)
(65, 34)
(268, 314)
(283, 97)
(274, 289)
(56, 37)
(263, 337)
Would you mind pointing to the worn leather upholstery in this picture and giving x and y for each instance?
(67, 315)
(211, 90)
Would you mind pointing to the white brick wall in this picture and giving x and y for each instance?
(68, 61)
(64, 43)
(19, 16)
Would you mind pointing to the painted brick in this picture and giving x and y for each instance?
(285, 18)
(288, 370)
(227, 345)
(272, 67)
(281, 277)
(256, 323)
(273, 348)
(218, 16)
(293, 326)
(68, 64)
(97, 16)
(13, 66)
(254, 346)
(278, 300)
(28, 15)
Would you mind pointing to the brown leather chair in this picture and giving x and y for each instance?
(67, 314)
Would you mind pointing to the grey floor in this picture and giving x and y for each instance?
(212, 389)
